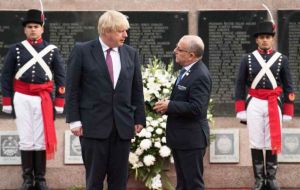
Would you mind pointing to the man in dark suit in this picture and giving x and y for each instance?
(105, 103)
(187, 125)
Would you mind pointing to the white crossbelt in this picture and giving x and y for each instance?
(265, 69)
(36, 57)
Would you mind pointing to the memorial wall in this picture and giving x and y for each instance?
(227, 37)
(152, 33)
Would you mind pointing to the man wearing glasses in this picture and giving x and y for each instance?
(187, 126)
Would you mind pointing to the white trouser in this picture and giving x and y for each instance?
(29, 121)
(258, 123)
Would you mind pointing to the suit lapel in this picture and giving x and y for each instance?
(190, 72)
(123, 59)
(173, 90)
(98, 54)
(185, 78)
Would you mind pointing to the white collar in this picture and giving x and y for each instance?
(105, 47)
(187, 68)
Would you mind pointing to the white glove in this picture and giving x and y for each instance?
(242, 115)
(286, 118)
(7, 109)
(59, 110)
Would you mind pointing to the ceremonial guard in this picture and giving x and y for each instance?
(264, 97)
(29, 71)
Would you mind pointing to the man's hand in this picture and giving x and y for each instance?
(286, 118)
(7, 109)
(138, 128)
(242, 115)
(161, 106)
(77, 131)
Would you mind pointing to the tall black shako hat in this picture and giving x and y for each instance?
(265, 27)
(34, 16)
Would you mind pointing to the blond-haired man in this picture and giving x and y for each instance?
(105, 103)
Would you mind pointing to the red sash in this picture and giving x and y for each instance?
(274, 120)
(42, 90)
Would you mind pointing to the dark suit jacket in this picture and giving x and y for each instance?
(187, 124)
(91, 98)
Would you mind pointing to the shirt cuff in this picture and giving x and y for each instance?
(75, 124)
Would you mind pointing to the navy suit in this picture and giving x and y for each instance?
(107, 114)
(187, 126)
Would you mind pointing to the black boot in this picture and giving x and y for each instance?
(258, 169)
(27, 167)
(40, 170)
(271, 168)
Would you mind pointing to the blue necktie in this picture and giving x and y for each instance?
(182, 71)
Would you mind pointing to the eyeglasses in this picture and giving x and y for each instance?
(181, 50)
